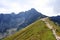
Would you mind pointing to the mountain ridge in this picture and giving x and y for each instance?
(18, 21)
(11, 23)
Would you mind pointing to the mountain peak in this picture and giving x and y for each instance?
(32, 9)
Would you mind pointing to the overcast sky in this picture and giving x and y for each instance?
(47, 7)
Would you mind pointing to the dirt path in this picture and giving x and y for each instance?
(51, 27)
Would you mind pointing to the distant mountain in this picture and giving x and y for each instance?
(21, 20)
(30, 17)
(8, 21)
(56, 19)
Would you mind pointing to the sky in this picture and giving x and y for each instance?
(46, 7)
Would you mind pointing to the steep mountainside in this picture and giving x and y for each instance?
(30, 17)
(21, 20)
(35, 31)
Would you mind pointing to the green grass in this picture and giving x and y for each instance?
(55, 26)
(36, 31)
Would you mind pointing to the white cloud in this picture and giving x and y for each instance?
(23, 5)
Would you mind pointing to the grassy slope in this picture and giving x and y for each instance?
(55, 26)
(36, 31)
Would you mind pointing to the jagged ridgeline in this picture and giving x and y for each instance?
(35, 31)
(20, 20)
(28, 26)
